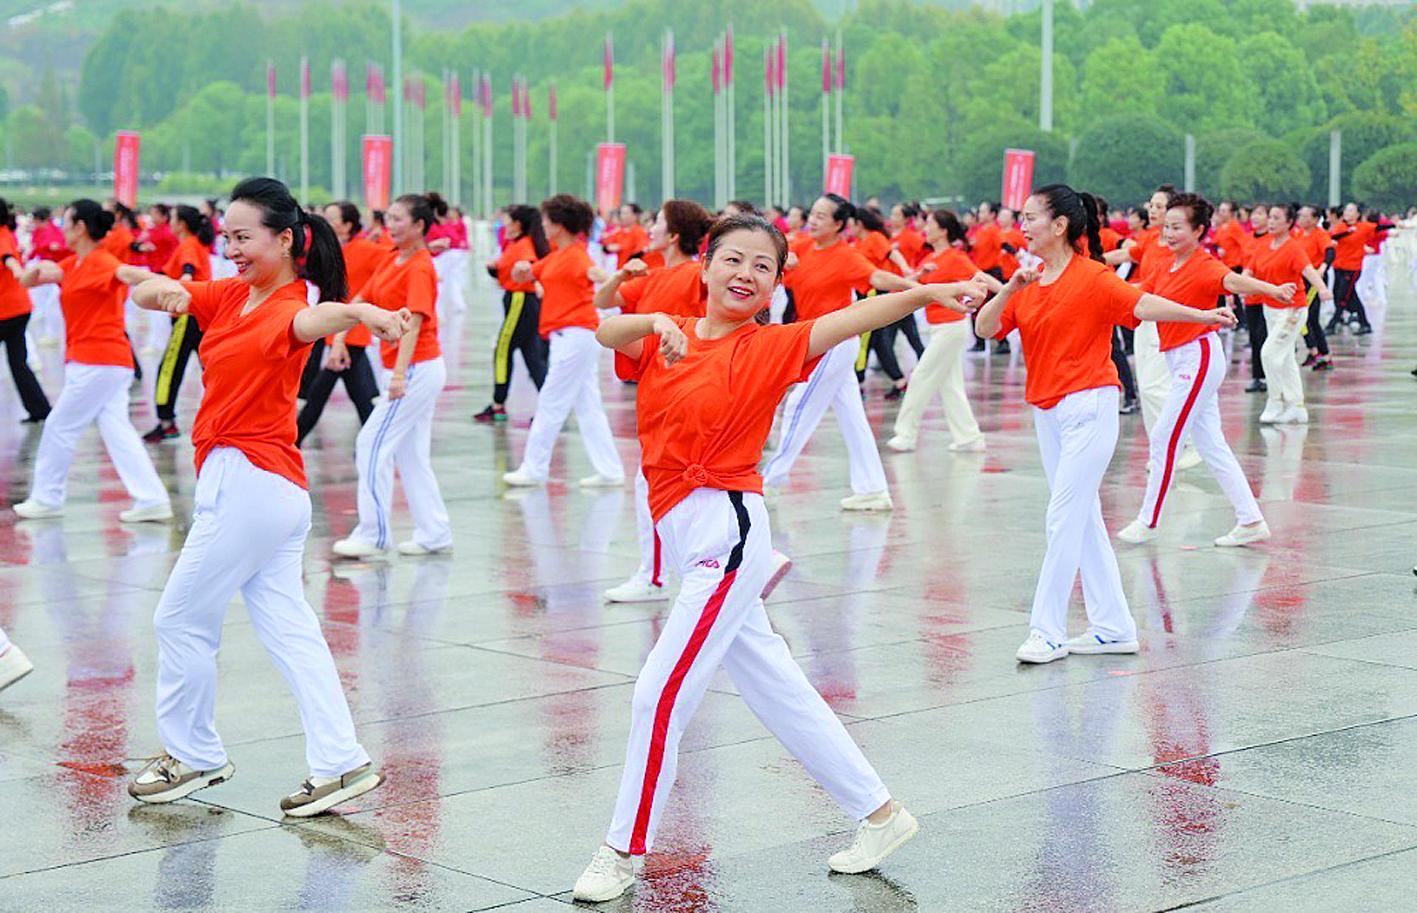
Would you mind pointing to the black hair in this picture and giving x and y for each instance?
(726, 225)
(1291, 210)
(870, 219)
(437, 203)
(96, 220)
(349, 215)
(42, 213)
(992, 205)
(1141, 212)
(314, 248)
(951, 225)
(635, 208)
(842, 210)
(1198, 208)
(197, 224)
(1168, 189)
(690, 221)
(908, 209)
(420, 209)
(125, 215)
(570, 212)
(164, 209)
(377, 216)
(1234, 206)
(1080, 210)
(7, 215)
(528, 219)
(744, 207)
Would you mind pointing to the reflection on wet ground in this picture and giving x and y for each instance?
(1255, 756)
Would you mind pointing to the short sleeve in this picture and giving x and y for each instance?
(633, 292)
(627, 368)
(206, 301)
(538, 267)
(1214, 276)
(780, 352)
(857, 270)
(1117, 300)
(422, 292)
(280, 340)
(1136, 252)
(1008, 319)
(67, 264)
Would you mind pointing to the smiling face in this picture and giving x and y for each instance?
(258, 253)
(1350, 213)
(741, 275)
(403, 230)
(1177, 232)
(821, 221)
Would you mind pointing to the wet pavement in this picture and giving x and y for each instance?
(1256, 756)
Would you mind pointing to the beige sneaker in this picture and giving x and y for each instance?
(874, 842)
(318, 795)
(607, 877)
(876, 500)
(167, 779)
(14, 665)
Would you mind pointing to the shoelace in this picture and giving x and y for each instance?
(604, 863)
(164, 765)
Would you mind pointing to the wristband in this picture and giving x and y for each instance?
(398, 375)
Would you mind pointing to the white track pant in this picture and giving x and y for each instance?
(1198, 369)
(248, 535)
(651, 549)
(94, 394)
(1281, 364)
(48, 319)
(4, 642)
(572, 383)
(832, 383)
(399, 434)
(1076, 439)
(940, 370)
(451, 267)
(722, 547)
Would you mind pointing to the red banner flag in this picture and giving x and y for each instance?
(126, 148)
(457, 95)
(551, 102)
(609, 175)
(270, 80)
(516, 98)
(782, 61)
(716, 76)
(339, 80)
(839, 171)
(670, 68)
(1018, 177)
(826, 68)
(728, 57)
(304, 78)
(841, 69)
(769, 80)
(526, 100)
(609, 61)
(378, 155)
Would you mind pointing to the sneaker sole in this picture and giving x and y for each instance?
(353, 790)
(628, 600)
(868, 508)
(1241, 544)
(603, 896)
(1040, 661)
(775, 579)
(896, 844)
(4, 685)
(1098, 649)
(191, 786)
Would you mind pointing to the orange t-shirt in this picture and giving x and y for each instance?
(92, 300)
(1198, 283)
(251, 365)
(411, 284)
(633, 239)
(703, 422)
(1150, 254)
(1014, 238)
(951, 265)
(676, 290)
(14, 297)
(521, 249)
(876, 247)
(193, 253)
(911, 244)
(1067, 329)
(653, 259)
(1278, 266)
(362, 259)
(1231, 241)
(1350, 249)
(1110, 238)
(119, 242)
(799, 241)
(567, 294)
(825, 277)
(1316, 243)
(987, 247)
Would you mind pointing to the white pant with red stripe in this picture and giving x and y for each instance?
(1197, 369)
(831, 384)
(94, 395)
(572, 383)
(248, 536)
(399, 433)
(1076, 439)
(721, 545)
(651, 567)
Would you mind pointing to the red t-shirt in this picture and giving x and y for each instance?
(825, 278)
(951, 265)
(92, 300)
(911, 244)
(193, 253)
(1316, 243)
(1278, 266)
(1014, 238)
(412, 284)
(678, 291)
(876, 247)
(164, 242)
(14, 297)
(119, 242)
(987, 247)
(1351, 248)
(1199, 283)
(362, 259)
(1231, 241)
(251, 365)
(567, 294)
(632, 240)
(703, 422)
(1150, 254)
(522, 248)
(47, 243)
(1066, 329)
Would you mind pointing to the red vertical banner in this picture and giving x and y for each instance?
(378, 156)
(1018, 177)
(609, 175)
(270, 80)
(839, 172)
(609, 62)
(126, 147)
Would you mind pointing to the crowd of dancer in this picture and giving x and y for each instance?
(729, 324)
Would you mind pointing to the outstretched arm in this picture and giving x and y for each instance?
(1154, 307)
(882, 310)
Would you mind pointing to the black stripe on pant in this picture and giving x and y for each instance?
(181, 344)
(359, 383)
(521, 313)
(12, 334)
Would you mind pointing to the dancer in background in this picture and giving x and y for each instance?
(1351, 236)
(447, 242)
(521, 310)
(1318, 244)
(15, 312)
(191, 261)
(869, 233)
(1255, 327)
(46, 243)
(986, 249)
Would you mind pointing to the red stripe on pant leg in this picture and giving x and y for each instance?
(1180, 427)
(665, 709)
(654, 574)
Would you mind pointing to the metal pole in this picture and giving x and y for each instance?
(1045, 95)
(270, 134)
(1335, 168)
(487, 192)
(398, 100)
(1190, 173)
(767, 140)
(840, 97)
(786, 188)
(551, 181)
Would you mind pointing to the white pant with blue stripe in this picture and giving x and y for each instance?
(832, 383)
(400, 433)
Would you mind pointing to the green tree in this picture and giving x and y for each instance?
(1124, 158)
(1206, 86)
(1120, 77)
(1213, 150)
(1264, 170)
(979, 172)
(34, 141)
(1289, 98)
(1389, 178)
(1363, 133)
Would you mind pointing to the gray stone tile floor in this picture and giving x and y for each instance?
(1257, 755)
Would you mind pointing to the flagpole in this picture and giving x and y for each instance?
(719, 199)
(397, 40)
(609, 88)
(479, 206)
(487, 194)
(731, 102)
(445, 137)
(768, 165)
(826, 106)
(270, 119)
(551, 114)
(840, 93)
(786, 189)
(456, 146)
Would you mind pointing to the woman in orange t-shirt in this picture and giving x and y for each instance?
(98, 370)
(346, 359)
(825, 278)
(399, 432)
(1065, 313)
(708, 388)
(629, 238)
(675, 289)
(1351, 237)
(191, 261)
(568, 320)
(15, 311)
(1280, 259)
(896, 255)
(252, 508)
(521, 310)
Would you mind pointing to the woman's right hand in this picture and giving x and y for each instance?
(174, 298)
(521, 271)
(1020, 278)
(963, 297)
(673, 344)
(338, 357)
(634, 269)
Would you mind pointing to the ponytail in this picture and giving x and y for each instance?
(1080, 210)
(528, 219)
(324, 261)
(7, 215)
(198, 225)
(96, 220)
(313, 246)
(1094, 225)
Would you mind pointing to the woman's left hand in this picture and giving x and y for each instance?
(398, 386)
(389, 326)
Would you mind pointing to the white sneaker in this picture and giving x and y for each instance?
(1092, 642)
(600, 481)
(876, 500)
(156, 513)
(1039, 649)
(1272, 411)
(414, 550)
(355, 548)
(901, 444)
(30, 509)
(521, 479)
(14, 665)
(874, 842)
(607, 877)
(636, 589)
(166, 779)
(1137, 532)
(781, 564)
(1244, 535)
(972, 446)
(1190, 459)
(1294, 415)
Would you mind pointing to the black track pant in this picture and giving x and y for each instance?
(359, 383)
(1258, 331)
(1345, 296)
(521, 312)
(12, 334)
(1124, 367)
(181, 344)
(1315, 330)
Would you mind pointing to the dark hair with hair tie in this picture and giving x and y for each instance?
(528, 219)
(870, 219)
(349, 215)
(951, 225)
(96, 220)
(690, 221)
(197, 225)
(419, 209)
(570, 212)
(314, 248)
(7, 215)
(1197, 208)
(1080, 211)
(842, 209)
